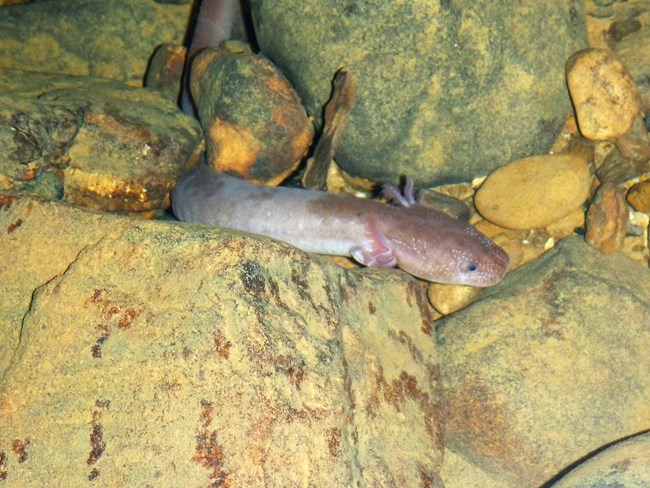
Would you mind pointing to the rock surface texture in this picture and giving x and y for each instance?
(159, 354)
(89, 38)
(550, 365)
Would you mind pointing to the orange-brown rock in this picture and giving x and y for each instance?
(639, 197)
(165, 70)
(254, 122)
(607, 219)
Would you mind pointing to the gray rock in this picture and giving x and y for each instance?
(88, 37)
(549, 365)
(446, 90)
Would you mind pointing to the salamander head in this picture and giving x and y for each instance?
(440, 249)
(478, 262)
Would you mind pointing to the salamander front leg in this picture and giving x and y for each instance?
(374, 251)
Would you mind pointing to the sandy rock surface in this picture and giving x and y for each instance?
(549, 365)
(623, 464)
(160, 354)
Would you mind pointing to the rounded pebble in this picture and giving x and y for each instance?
(534, 192)
(604, 96)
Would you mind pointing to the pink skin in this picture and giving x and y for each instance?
(213, 25)
(421, 241)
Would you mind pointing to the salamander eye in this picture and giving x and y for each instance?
(472, 267)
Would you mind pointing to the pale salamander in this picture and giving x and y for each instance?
(421, 241)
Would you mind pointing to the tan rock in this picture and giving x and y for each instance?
(549, 365)
(448, 299)
(534, 192)
(604, 95)
(137, 353)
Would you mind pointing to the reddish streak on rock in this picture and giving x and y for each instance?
(97, 444)
(334, 442)
(20, 448)
(94, 473)
(221, 345)
(14, 225)
(7, 201)
(3, 467)
(128, 317)
(28, 175)
(210, 455)
(206, 412)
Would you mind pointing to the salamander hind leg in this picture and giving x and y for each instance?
(405, 198)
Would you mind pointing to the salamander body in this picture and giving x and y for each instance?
(421, 241)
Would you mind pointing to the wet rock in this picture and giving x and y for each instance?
(624, 464)
(445, 91)
(635, 143)
(89, 38)
(113, 147)
(165, 71)
(254, 122)
(617, 169)
(448, 299)
(156, 352)
(607, 219)
(639, 196)
(604, 95)
(534, 192)
(636, 243)
(549, 365)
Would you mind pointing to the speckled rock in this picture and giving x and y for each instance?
(254, 122)
(445, 90)
(534, 192)
(604, 95)
(625, 464)
(105, 145)
(549, 365)
(162, 354)
(89, 38)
